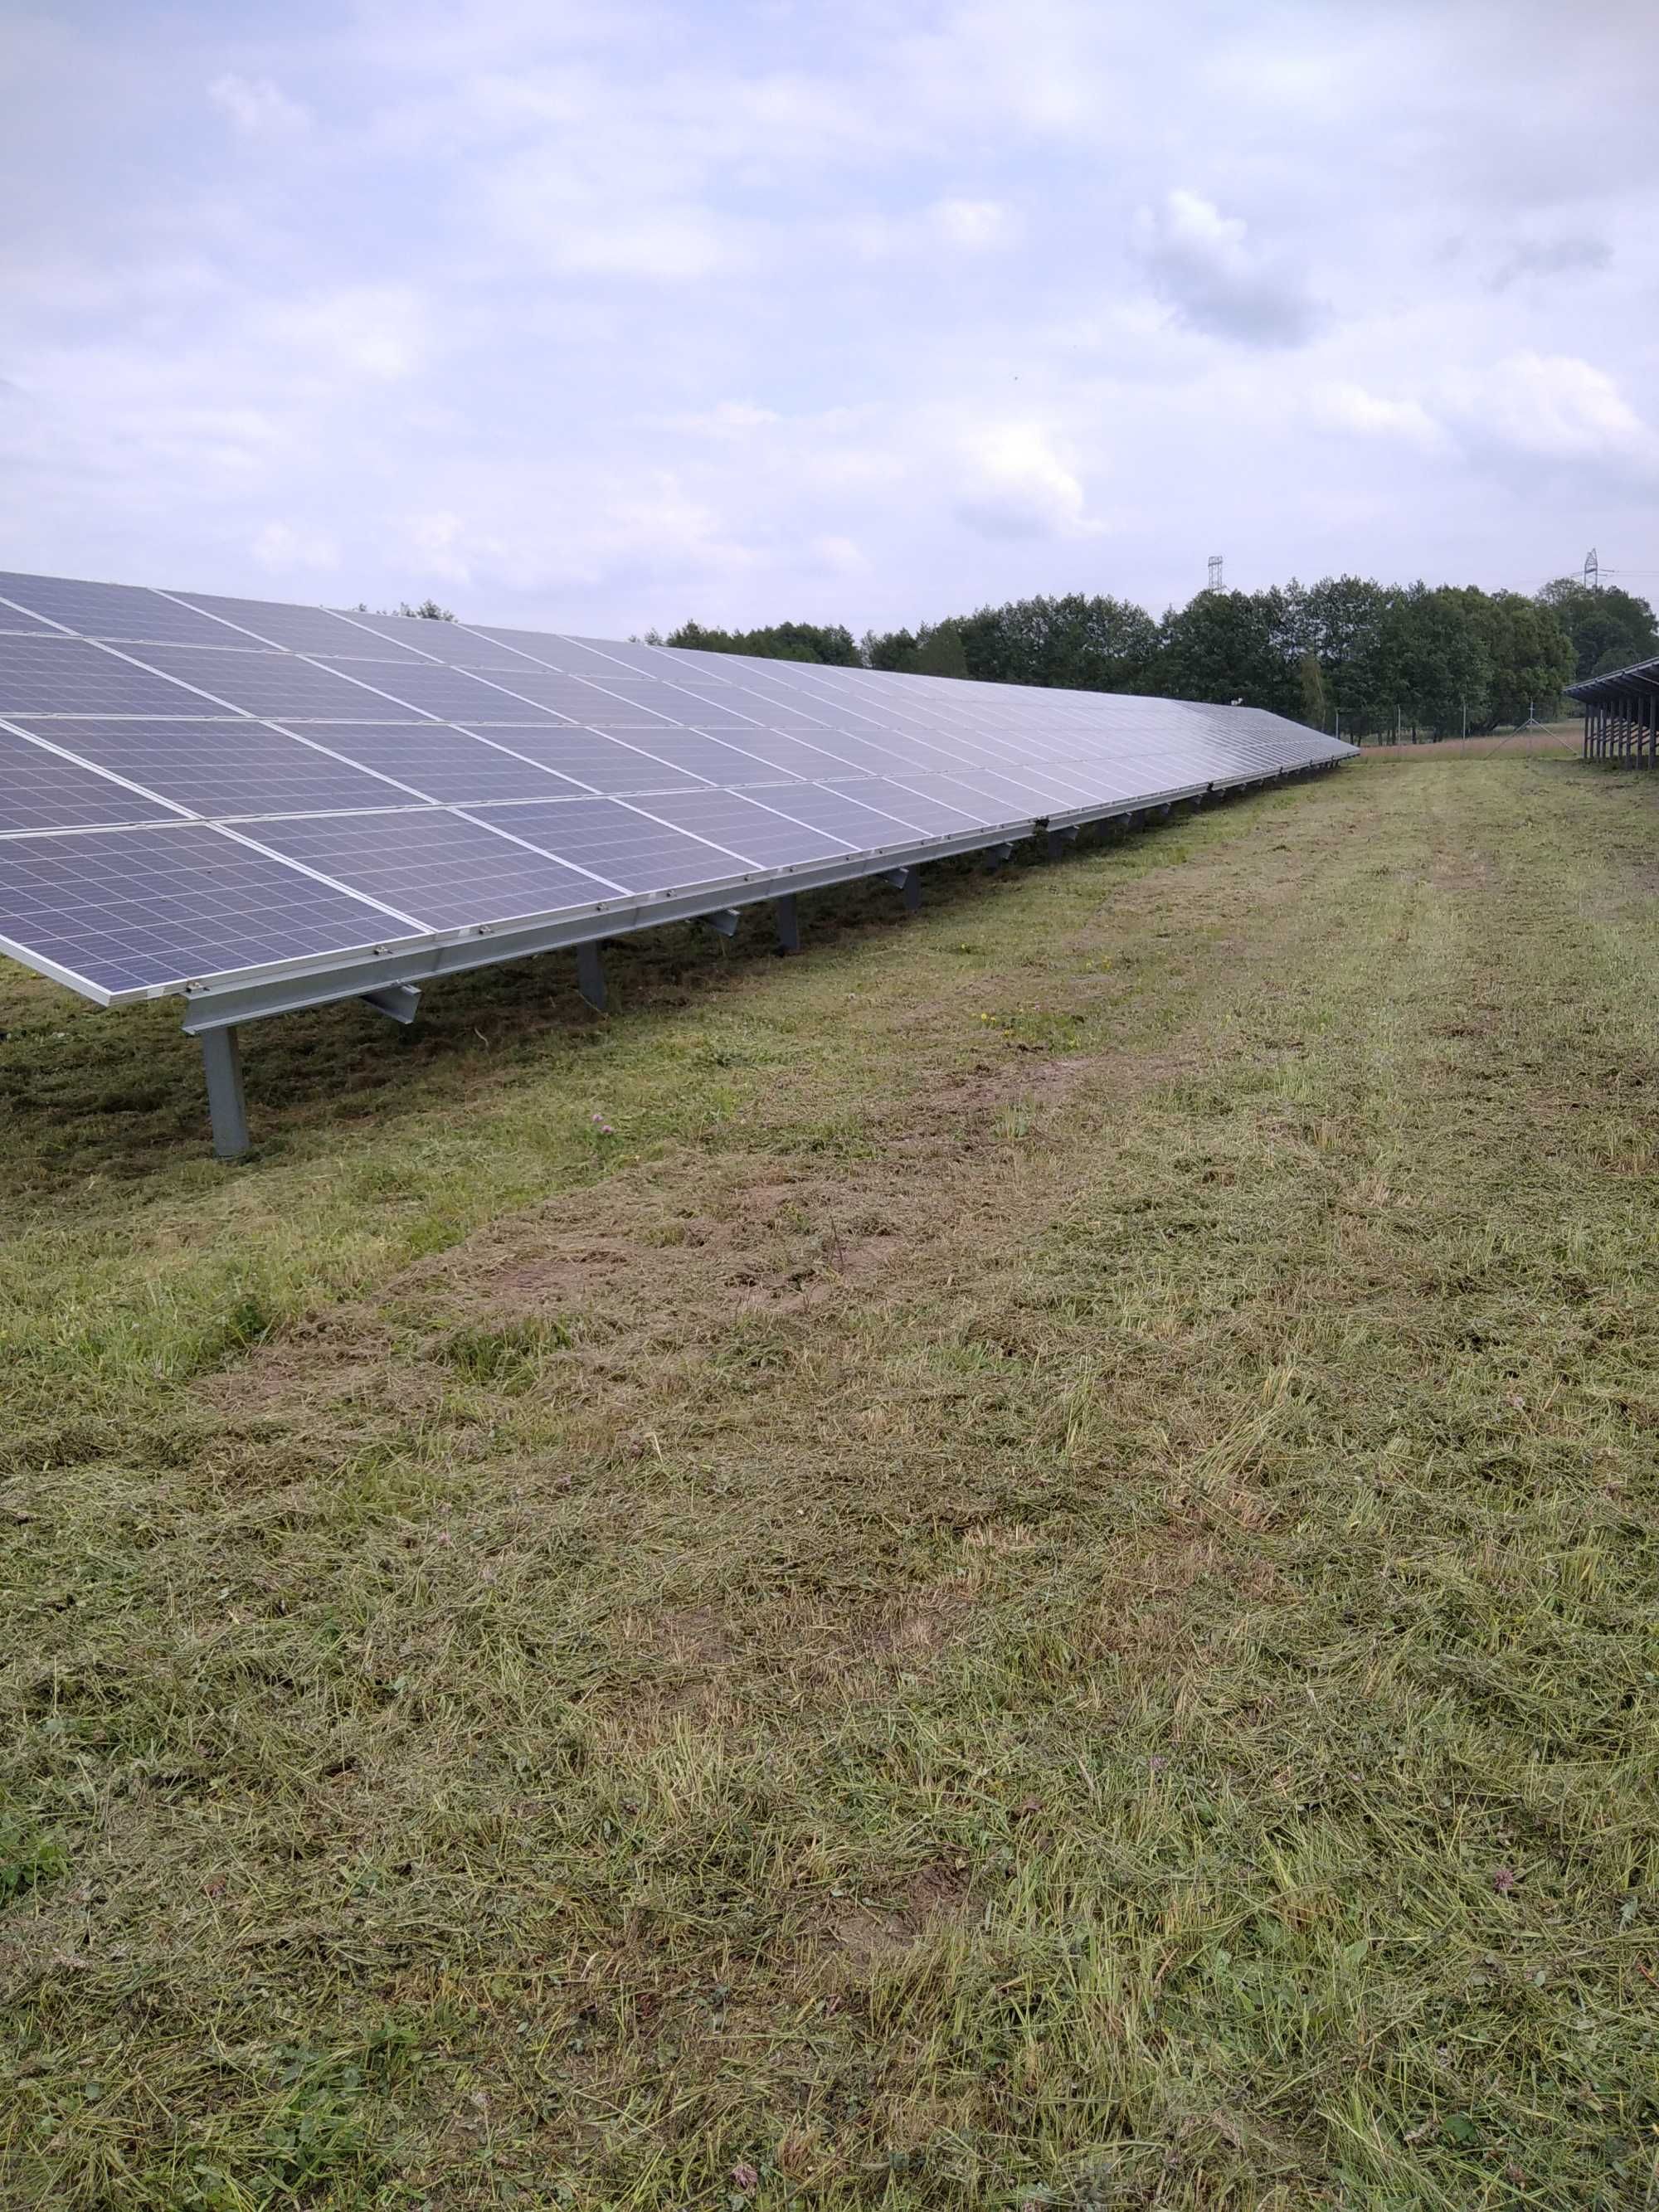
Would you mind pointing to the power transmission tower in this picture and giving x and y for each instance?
(1592, 571)
(1214, 584)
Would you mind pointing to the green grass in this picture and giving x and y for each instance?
(1035, 1586)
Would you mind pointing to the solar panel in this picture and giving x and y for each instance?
(578, 700)
(276, 683)
(452, 694)
(66, 675)
(926, 811)
(712, 758)
(132, 910)
(297, 630)
(858, 822)
(764, 839)
(120, 612)
(602, 763)
(458, 644)
(569, 654)
(438, 761)
(627, 848)
(15, 623)
(224, 769)
(41, 790)
(442, 869)
(790, 757)
(644, 660)
(392, 781)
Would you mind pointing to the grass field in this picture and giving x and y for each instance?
(1564, 740)
(1010, 1564)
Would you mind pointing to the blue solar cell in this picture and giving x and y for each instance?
(223, 769)
(619, 843)
(605, 764)
(1021, 793)
(276, 683)
(791, 756)
(41, 790)
(857, 822)
(879, 756)
(120, 612)
(64, 676)
(567, 653)
(712, 759)
(439, 762)
(619, 715)
(133, 910)
(448, 872)
(577, 701)
(452, 694)
(764, 838)
(597, 652)
(457, 644)
(15, 623)
(923, 811)
(991, 812)
(295, 628)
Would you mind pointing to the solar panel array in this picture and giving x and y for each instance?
(196, 789)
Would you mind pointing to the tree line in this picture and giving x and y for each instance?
(1346, 655)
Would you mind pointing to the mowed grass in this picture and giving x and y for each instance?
(1561, 740)
(1033, 1586)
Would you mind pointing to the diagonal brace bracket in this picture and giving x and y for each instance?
(398, 1002)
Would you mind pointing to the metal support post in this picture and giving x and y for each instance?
(1059, 839)
(590, 976)
(907, 883)
(788, 921)
(222, 1058)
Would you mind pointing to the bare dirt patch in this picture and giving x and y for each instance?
(932, 1901)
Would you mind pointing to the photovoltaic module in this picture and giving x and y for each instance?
(261, 806)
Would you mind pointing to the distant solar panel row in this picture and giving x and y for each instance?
(196, 790)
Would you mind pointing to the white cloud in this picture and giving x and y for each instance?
(1552, 405)
(840, 556)
(1350, 407)
(732, 419)
(1205, 264)
(1018, 486)
(259, 107)
(1551, 258)
(284, 551)
(674, 246)
(598, 316)
(439, 544)
(975, 225)
(376, 331)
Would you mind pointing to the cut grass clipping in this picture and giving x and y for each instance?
(1013, 1563)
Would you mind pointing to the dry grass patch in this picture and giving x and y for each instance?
(1034, 1588)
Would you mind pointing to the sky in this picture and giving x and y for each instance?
(599, 315)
